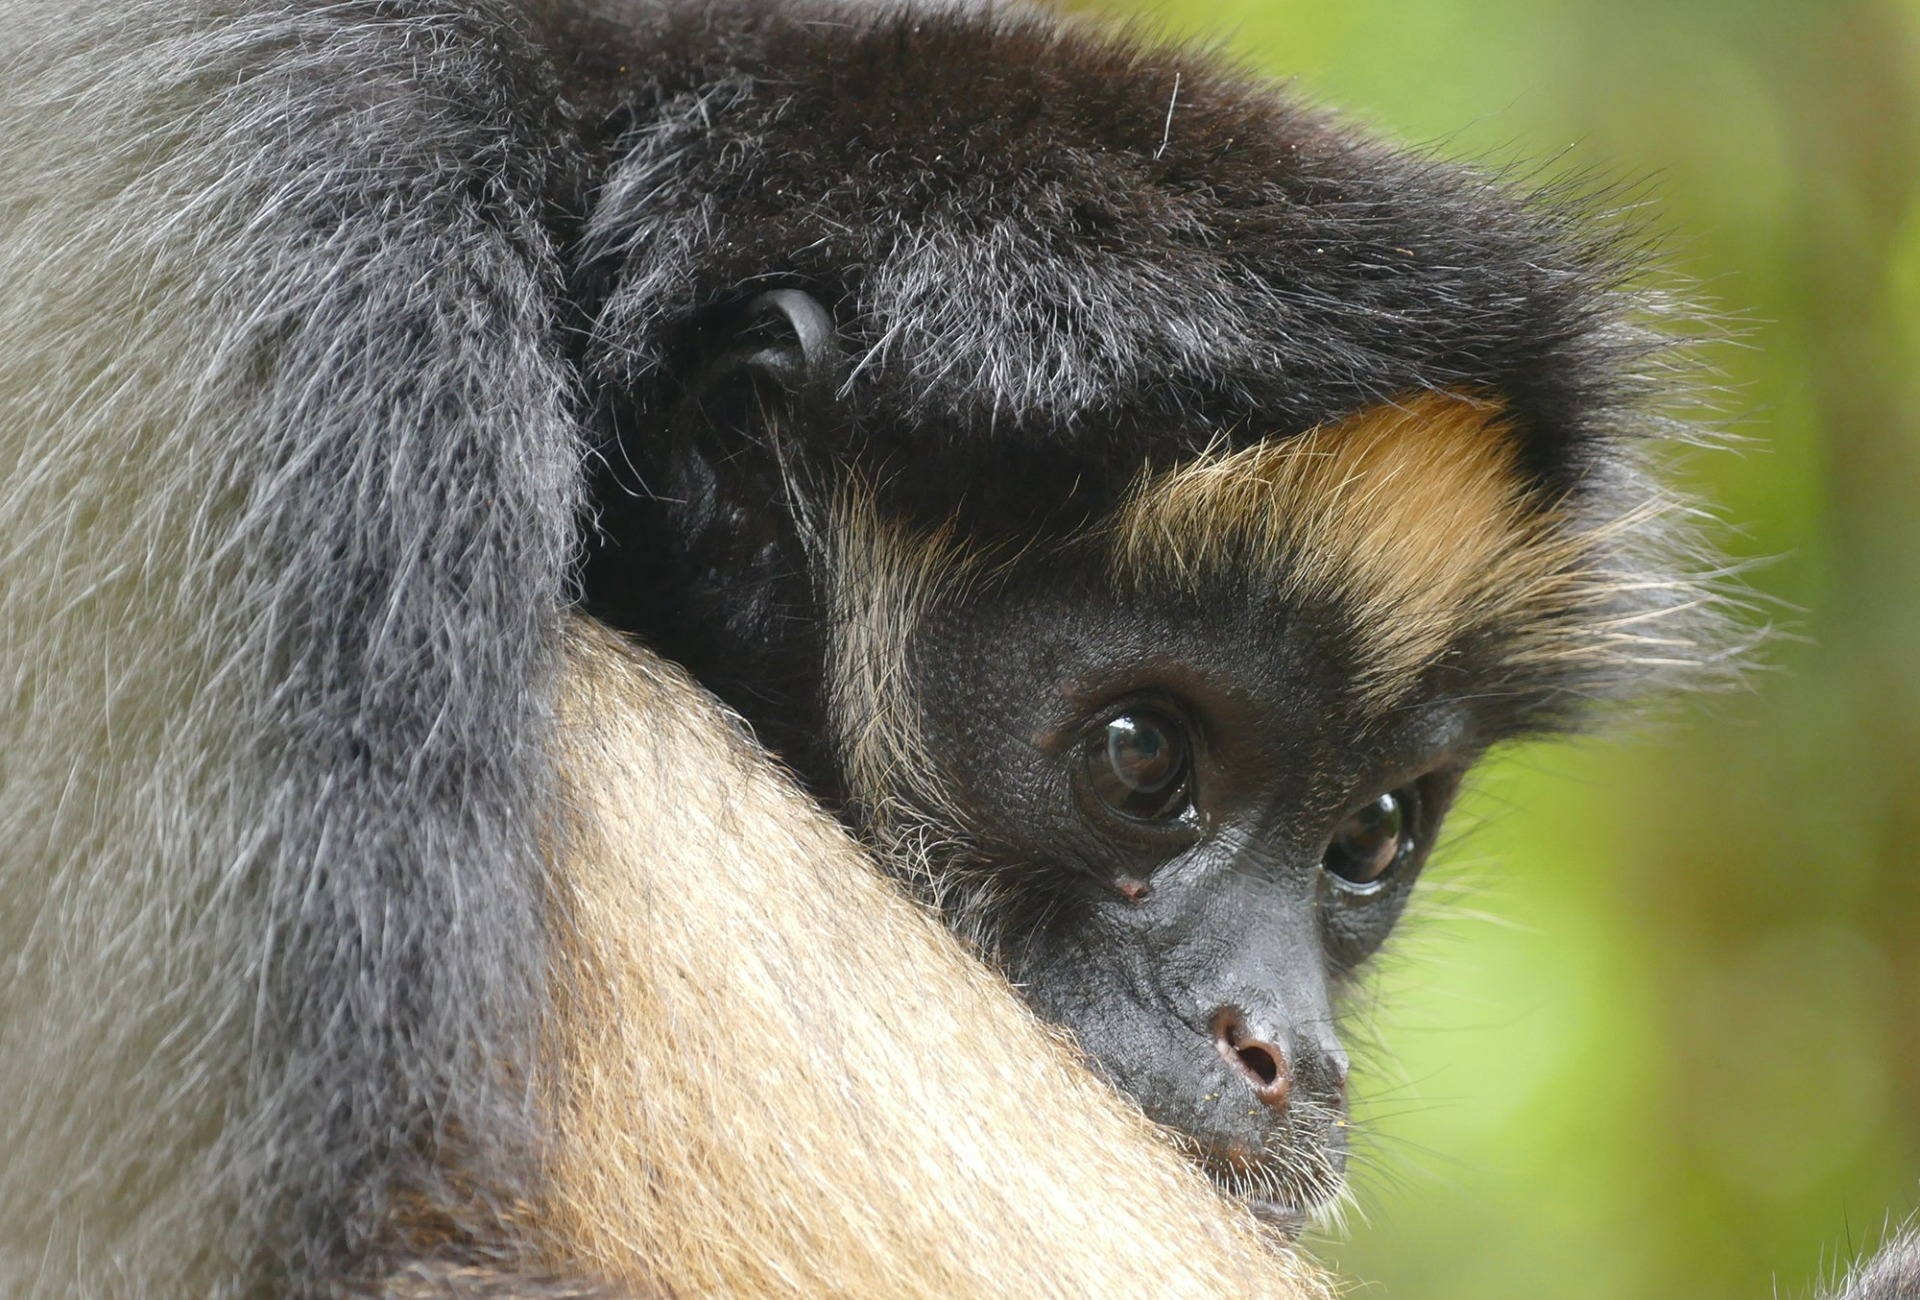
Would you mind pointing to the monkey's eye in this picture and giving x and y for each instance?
(1138, 766)
(1373, 839)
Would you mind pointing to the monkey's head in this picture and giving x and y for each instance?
(1134, 500)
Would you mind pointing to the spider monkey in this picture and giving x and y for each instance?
(1133, 526)
(1127, 499)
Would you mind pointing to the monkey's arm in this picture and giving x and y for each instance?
(286, 496)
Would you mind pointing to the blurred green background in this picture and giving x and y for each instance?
(1655, 1034)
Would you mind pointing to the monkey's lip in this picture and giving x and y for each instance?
(1284, 1217)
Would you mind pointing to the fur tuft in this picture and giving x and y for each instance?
(1893, 1273)
(1416, 521)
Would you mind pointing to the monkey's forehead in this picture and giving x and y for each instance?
(1036, 239)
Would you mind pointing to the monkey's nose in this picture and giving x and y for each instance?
(1261, 1063)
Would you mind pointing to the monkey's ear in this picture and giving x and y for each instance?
(773, 361)
(788, 337)
(739, 500)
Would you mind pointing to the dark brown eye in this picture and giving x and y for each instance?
(1367, 845)
(1138, 766)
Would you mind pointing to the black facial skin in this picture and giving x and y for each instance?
(1192, 943)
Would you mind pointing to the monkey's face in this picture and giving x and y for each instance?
(1179, 767)
(1176, 760)
(1184, 833)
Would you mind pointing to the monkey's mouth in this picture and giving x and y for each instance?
(1278, 1191)
(1282, 1217)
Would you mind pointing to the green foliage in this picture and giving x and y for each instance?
(1659, 1033)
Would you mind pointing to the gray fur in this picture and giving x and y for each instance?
(1893, 1273)
(288, 485)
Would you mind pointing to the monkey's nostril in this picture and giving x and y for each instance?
(1262, 1064)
